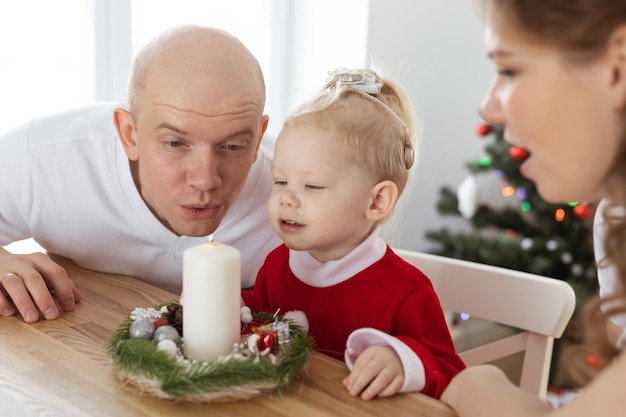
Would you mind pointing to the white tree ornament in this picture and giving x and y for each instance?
(467, 195)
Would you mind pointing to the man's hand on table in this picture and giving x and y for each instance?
(30, 283)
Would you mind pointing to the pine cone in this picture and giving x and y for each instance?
(174, 316)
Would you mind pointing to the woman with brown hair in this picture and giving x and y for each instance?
(560, 93)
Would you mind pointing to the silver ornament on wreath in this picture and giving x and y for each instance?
(166, 332)
(141, 329)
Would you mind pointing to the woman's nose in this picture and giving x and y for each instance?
(491, 108)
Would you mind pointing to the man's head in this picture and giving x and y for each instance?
(194, 125)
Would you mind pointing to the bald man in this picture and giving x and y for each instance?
(128, 189)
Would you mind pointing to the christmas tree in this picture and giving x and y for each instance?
(514, 227)
(525, 232)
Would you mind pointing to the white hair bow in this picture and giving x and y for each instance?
(361, 79)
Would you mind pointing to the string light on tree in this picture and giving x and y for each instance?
(483, 129)
(552, 245)
(484, 161)
(517, 153)
(583, 211)
(508, 191)
(567, 258)
(559, 215)
(526, 243)
(576, 269)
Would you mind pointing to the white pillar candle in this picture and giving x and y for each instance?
(212, 292)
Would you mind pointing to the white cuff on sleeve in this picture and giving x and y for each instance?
(359, 340)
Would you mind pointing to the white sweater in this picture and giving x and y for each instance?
(65, 180)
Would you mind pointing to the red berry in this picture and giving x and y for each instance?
(160, 322)
(268, 340)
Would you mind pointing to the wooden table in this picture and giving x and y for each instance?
(61, 368)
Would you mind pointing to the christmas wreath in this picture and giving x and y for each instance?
(146, 351)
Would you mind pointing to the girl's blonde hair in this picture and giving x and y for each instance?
(378, 130)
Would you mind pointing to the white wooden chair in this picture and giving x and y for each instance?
(539, 307)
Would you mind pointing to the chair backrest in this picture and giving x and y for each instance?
(538, 306)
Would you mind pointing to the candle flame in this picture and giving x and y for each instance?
(210, 238)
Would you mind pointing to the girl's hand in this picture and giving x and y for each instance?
(377, 371)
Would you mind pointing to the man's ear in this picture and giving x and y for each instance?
(617, 59)
(123, 121)
(383, 199)
(265, 120)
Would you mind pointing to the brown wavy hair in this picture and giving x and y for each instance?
(581, 30)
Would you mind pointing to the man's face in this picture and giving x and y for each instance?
(197, 126)
(192, 166)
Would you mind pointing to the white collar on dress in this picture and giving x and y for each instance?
(325, 274)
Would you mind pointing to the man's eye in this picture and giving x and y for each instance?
(174, 143)
(233, 147)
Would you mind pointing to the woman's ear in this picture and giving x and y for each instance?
(383, 199)
(617, 59)
(125, 126)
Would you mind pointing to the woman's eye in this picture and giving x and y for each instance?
(505, 72)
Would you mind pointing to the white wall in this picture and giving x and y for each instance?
(437, 47)
(319, 37)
